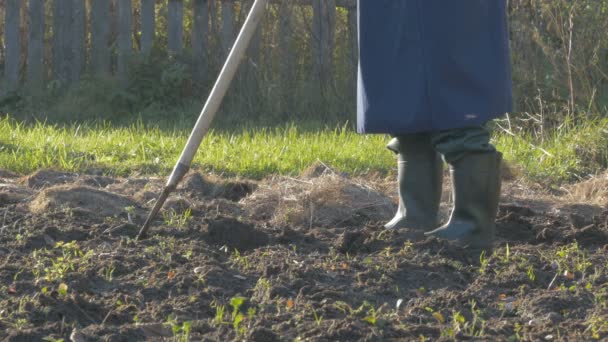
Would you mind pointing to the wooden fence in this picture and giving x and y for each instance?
(63, 40)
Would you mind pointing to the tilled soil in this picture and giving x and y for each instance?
(285, 260)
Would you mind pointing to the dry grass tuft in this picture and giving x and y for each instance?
(591, 191)
(327, 200)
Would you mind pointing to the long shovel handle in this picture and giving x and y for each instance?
(217, 93)
(210, 109)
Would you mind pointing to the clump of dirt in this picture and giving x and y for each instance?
(326, 201)
(97, 181)
(11, 193)
(197, 186)
(554, 305)
(46, 178)
(98, 202)
(133, 186)
(224, 231)
(316, 170)
(7, 174)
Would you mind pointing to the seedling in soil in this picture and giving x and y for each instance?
(130, 210)
(458, 323)
(62, 290)
(436, 314)
(20, 323)
(238, 259)
(219, 314)
(531, 274)
(181, 332)
(52, 339)
(174, 219)
(597, 326)
(571, 258)
(516, 333)
(108, 273)
(483, 262)
(237, 317)
(318, 319)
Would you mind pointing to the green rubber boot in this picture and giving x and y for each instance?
(420, 176)
(476, 191)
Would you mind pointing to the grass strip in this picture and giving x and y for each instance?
(138, 149)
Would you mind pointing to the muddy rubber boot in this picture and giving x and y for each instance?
(420, 176)
(476, 191)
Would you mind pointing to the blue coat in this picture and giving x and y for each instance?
(431, 65)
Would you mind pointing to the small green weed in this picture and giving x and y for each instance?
(174, 219)
(55, 264)
(237, 317)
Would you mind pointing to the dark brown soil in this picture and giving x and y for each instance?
(69, 265)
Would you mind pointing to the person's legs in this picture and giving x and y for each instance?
(455, 144)
(420, 176)
(475, 169)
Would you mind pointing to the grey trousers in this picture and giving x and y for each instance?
(456, 143)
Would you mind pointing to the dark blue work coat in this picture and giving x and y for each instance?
(431, 65)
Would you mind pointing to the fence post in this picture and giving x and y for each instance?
(125, 41)
(100, 37)
(200, 30)
(227, 37)
(175, 26)
(35, 44)
(324, 20)
(78, 38)
(148, 22)
(12, 43)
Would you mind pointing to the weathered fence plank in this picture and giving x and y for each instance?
(286, 56)
(100, 37)
(213, 31)
(175, 26)
(78, 38)
(227, 36)
(253, 52)
(35, 44)
(62, 40)
(249, 75)
(354, 48)
(148, 22)
(12, 43)
(324, 21)
(199, 37)
(125, 39)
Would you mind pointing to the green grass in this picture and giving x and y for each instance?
(257, 152)
(564, 155)
(138, 149)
